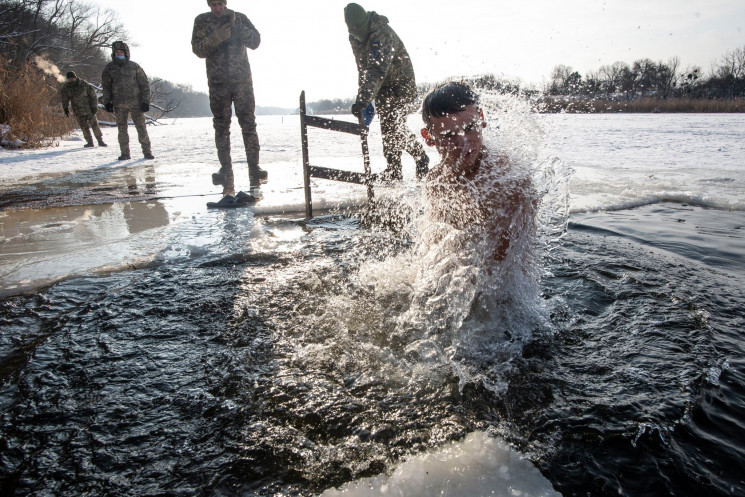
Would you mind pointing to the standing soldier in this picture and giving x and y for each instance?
(385, 74)
(84, 106)
(221, 37)
(126, 90)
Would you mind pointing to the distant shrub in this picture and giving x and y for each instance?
(579, 105)
(30, 105)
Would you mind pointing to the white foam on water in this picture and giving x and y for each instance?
(480, 465)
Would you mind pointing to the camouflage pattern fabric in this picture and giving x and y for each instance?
(226, 62)
(230, 81)
(383, 62)
(397, 137)
(222, 97)
(81, 95)
(386, 75)
(125, 82)
(122, 113)
(86, 122)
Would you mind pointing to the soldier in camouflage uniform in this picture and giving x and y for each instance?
(385, 74)
(126, 91)
(221, 37)
(84, 105)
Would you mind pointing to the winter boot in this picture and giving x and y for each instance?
(124, 157)
(88, 145)
(223, 177)
(101, 143)
(257, 176)
(148, 156)
(422, 167)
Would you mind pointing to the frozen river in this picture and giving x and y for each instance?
(149, 345)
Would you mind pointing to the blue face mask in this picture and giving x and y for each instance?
(120, 57)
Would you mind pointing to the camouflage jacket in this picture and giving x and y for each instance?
(82, 96)
(382, 61)
(227, 62)
(125, 83)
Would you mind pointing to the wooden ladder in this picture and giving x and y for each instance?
(327, 173)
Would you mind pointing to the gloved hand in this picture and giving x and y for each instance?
(144, 107)
(94, 110)
(368, 114)
(109, 107)
(67, 112)
(357, 109)
(221, 34)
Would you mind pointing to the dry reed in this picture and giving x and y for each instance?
(29, 104)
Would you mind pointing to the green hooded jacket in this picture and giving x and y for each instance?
(124, 82)
(82, 96)
(382, 61)
(227, 62)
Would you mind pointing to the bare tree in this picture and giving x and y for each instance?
(70, 32)
(733, 64)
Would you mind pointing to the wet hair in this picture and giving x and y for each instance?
(446, 99)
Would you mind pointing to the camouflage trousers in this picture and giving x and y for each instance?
(86, 122)
(138, 118)
(222, 98)
(397, 137)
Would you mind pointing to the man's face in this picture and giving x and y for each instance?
(119, 53)
(458, 138)
(217, 7)
(72, 80)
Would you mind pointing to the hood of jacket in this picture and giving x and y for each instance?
(377, 21)
(119, 45)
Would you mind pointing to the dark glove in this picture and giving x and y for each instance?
(357, 109)
(109, 107)
(67, 112)
(144, 107)
(94, 110)
(368, 114)
(221, 34)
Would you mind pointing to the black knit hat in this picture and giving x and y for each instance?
(71, 75)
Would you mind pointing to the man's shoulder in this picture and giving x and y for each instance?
(241, 16)
(203, 18)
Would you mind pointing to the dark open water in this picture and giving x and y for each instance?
(269, 369)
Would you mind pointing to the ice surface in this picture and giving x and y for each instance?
(619, 162)
(478, 466)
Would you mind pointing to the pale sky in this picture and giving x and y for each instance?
(304, 43)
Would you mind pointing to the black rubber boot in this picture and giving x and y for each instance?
(124, 157)
(257, 176)
(88, 145)
(148, 156)
(101, 143)
(223, 177)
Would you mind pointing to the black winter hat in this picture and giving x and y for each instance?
(71, 75)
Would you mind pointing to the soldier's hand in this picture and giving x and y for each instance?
(109, 107)
(221, 34)
(67, 112)
(232, 18)
(144, 107)
(357, 109)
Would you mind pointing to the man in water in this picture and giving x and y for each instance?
(221, 36)
(84, 105)
(474, 188)
(385, 75)
(126, 91)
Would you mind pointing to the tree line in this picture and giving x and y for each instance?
(661, 79)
